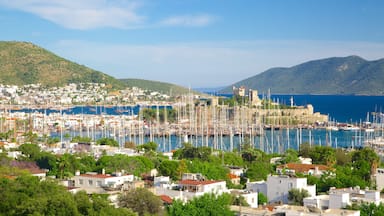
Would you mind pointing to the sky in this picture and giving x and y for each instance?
(196, 43)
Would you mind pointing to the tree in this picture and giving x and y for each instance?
(169, 168)
(31, 151)
(207, 204)
(261, 198)
(140, 200)
(107, 141)
(365, 162)
(296, 196)
(149, 146)
(238, 200)
(79, 139)
(30, 137)
(27, 195)
(259, 171)
(290, 156)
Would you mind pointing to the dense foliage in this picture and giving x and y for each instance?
(207, 204)
(25, 63)
(296, 196)
(165, 88)
(27, 195)
(141, 201)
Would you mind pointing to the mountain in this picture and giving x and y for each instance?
(350, 75)
(162, 87)
(24, 63)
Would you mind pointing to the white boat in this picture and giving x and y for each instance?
(332, 128)
(349, 127)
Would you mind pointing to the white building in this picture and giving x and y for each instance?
(341, 198)
(249, 196)
(288, 210)
(379, 177)
(277, 187)
(98, 183)
(188, 189)
(307, 169)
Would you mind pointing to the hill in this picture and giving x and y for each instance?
(24, 63)
(350, 75)
(162, 87)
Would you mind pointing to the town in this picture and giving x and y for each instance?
(90, 154)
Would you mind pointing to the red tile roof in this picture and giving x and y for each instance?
(28, 165)
(101, 176)
(300, 168)
(233, 176)
(166, 199)
(196, 182)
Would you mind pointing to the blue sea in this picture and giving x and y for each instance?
(342, 108)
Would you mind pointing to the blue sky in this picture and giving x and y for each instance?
(196, 43)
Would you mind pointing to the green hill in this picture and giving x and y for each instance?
(338, 75)
(162, 87)
(24, 63)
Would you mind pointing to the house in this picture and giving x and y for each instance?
(234, 178)
(188, 189)
(207, 186)
(239, 171)
(249, 196)
(31, 167)
(307, 169)
(341, 198)
(379, 177)
(289, 210)
(277, 187)
(99, 183)
(192, 176)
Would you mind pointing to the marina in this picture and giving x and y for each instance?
(218, 127)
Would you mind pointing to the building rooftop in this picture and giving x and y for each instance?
(196, 182)
(303, 167)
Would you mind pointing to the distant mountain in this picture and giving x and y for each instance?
(162, 87)
(337, 75)
(24, 63)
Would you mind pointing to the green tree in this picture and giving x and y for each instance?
(31, 152)
(107, 141)
(140, 200)
(365, 162)
(290, 156)
(296, 196)
(207, 204)
(259, 171)
(79, 139)
(30, 137)
(261, 198)
(149, 146)
(169, 168)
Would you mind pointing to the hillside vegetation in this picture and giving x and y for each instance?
(162, 87)
(24, 63)
(338, 75)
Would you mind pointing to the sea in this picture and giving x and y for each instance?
(342, 109)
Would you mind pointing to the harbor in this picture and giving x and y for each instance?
(200, 122)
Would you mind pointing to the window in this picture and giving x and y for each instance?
(81, 181)
(90, 182)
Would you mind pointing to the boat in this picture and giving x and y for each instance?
(348, 127)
